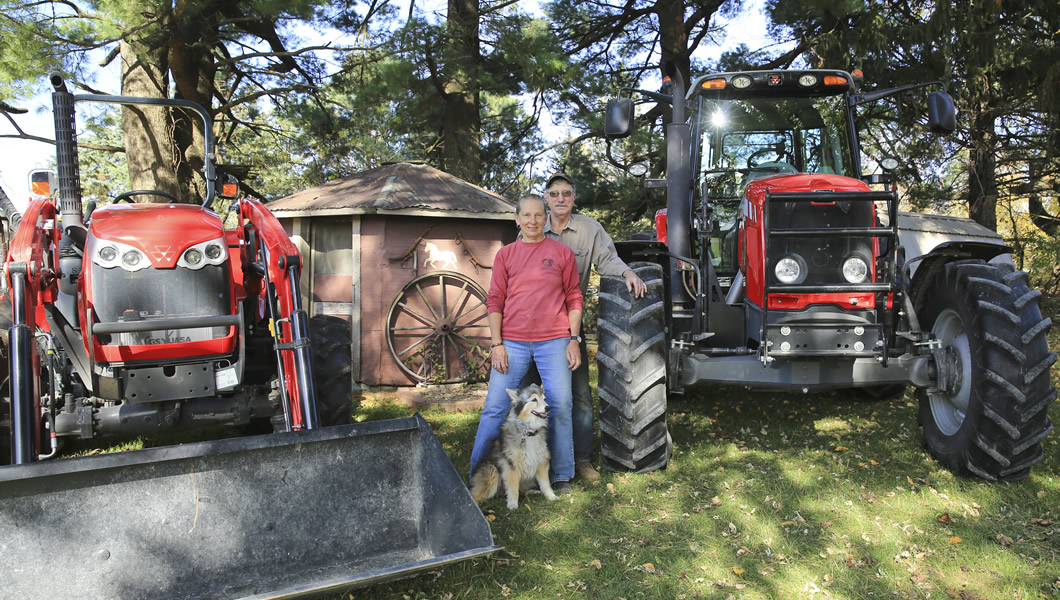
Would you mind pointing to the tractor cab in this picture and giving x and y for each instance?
(758, 127)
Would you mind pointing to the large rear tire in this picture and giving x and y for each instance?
(989, 413)
(631, 359)
(329, 338)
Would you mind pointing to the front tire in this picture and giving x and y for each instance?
(631, 359)
(988, 414)
(329, 338)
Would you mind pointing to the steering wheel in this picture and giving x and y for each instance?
(127, 196)
(782, 156)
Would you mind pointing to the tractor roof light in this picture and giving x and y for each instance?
(835, 80)
(714, 84)
(808, 80)
(741, 82)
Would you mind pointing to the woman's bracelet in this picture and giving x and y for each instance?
(492, 346)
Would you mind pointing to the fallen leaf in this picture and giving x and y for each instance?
(491, 518)
(611, 489)
(840, 448)
(737, 570)
(1005, 540)
(955, 540)
(787, 523)
(943, 518)
(910, 480)
(1042, 522)
(872, 462)
(595, 563)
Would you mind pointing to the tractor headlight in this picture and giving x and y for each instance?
(109, 254)
(213, 251)
(194, 257)
(855, 269)
(790, 270)
(131, 258)
(210, 252)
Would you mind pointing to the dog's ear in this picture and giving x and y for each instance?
(513, 394)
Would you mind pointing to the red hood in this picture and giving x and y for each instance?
(161, 231)
(810, 182)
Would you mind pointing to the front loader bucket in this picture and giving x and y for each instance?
(275, 516)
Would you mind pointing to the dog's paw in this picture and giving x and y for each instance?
(551, 496)
(513, 505)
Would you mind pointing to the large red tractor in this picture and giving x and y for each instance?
(777, 267)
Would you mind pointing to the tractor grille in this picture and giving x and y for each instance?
(822, 257)
(120, 296)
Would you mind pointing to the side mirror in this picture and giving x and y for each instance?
(618, 122)
(942, 116)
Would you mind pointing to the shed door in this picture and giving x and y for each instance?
(333, 267)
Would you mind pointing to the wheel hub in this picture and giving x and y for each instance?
(952, 393)
(950, 372)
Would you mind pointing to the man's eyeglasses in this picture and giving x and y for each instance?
(565, 193)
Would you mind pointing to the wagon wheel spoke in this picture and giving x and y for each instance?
(427, 302)
(436, 326)
(412, 312)
(442, 304)
(414, 344)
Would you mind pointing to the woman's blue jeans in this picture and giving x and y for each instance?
(550, 357)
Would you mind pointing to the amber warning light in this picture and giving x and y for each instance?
(41, 182)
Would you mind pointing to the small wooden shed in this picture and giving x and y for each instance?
(404, 253)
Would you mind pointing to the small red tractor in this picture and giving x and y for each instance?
(776, 267)
(150, 318)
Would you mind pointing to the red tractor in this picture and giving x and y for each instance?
(777, 267)
(148, 318)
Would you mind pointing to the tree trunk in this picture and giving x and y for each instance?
(462, 121)
(673, 37)
(982, 181)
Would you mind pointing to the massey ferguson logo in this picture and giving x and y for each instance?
(775, 79)
(162, 253)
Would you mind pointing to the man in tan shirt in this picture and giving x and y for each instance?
(592, 248)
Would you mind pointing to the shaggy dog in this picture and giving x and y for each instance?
(519, 454)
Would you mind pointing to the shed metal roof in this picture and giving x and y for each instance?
(397, 188)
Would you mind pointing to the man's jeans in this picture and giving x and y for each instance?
(582, 409)
(550, 357)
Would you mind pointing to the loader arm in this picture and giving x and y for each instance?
(31, 283)
(276, 260)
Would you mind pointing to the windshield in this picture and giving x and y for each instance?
(744, 139)
(741, 140)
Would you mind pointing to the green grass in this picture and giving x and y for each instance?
(767, 496)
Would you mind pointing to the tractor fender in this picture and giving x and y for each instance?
(923, 270)
(640, 250)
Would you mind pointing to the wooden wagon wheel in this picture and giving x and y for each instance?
(435, 328)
